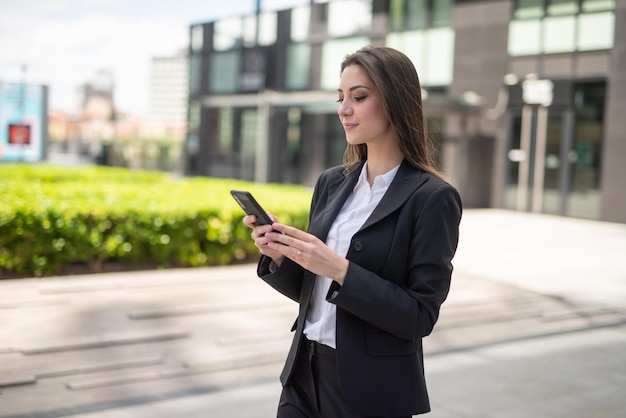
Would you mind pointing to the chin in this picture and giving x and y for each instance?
(353, 141)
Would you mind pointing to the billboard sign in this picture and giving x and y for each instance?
(23, 122)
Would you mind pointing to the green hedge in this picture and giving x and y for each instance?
(56, 219)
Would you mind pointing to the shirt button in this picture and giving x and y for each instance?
(358, 246)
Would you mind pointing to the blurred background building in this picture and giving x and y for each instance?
(168, 91)
(101, 133)
(524, 99)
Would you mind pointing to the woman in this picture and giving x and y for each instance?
(374, 267)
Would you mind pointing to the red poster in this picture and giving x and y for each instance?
(19, 134)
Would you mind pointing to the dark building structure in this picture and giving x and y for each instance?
(525, 99)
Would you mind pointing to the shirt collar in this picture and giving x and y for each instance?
(386, 178)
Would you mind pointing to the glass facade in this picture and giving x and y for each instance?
(553, 154)
(562, 26)
(419, 14)
(559, 34)
(224, 72)
(300, 22)
(225, 131)
(228, 33)
(431, 51)
(422, 30)
(349, 17)
(586, 152)
(528, 9)
(333, 52)
(298, 67)
(595, 31)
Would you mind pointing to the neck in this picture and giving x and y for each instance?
(381, 161)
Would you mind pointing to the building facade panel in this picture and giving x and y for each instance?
(614, 153)
(525, 100)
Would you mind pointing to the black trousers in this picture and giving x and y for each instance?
(313, 390)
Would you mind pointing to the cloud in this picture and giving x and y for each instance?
(65, 53)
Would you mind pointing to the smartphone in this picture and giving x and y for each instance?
(249, 205)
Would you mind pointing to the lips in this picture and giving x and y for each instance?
(348, 126)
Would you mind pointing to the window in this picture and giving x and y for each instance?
(562, 27)
(422, 31)
(597, 5)
(559, 34)
(562, 7)
(195, 66)
(249, 134)
(416, 13)
(197, 38)
(440, 56)
(524, 37)
(267, 29)
(227, 34)
(333, 52)
(595, 31)
(431, 51)
(349, 17)
(300, 19)
(298, 66)
(528, 9)
(419, 14)
(224, 72)
(441, 13)
(225, 130)
(230, 33)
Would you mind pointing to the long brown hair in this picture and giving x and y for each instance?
(393, 73)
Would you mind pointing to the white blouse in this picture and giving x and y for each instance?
(321, 316)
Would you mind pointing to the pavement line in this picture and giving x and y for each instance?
(30, 303)
(218, 363)
(615, 323)
(101, 367)
(9, 379)
(99, 341)
(201, 309)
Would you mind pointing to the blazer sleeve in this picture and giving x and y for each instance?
(287, 279)
(408, 307)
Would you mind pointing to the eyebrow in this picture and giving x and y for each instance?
(358, 86)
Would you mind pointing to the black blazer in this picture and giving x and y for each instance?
(398, 277)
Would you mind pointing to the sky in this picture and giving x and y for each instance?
(64, 43)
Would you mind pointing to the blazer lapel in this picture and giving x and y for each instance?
(407, 180)
(339, 189)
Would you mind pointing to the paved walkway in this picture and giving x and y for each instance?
(535, 326)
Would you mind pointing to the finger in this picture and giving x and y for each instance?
(260, 231)
(249, 220)
(291, 231)
(288, 251)
(285, 240)
(272, 217)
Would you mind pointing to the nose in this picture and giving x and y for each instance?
(344, 108)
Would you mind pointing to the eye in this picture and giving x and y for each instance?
(340, 100)
(358, 98)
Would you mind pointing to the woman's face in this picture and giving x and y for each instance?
(361, 109)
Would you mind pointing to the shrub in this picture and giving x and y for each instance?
(55, 218)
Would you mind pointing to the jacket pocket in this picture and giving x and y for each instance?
(383, 344)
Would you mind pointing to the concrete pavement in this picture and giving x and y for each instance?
(535, 326)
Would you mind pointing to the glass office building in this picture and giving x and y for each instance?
(522, 98)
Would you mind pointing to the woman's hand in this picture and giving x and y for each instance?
(307, 250)
(261, 240)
